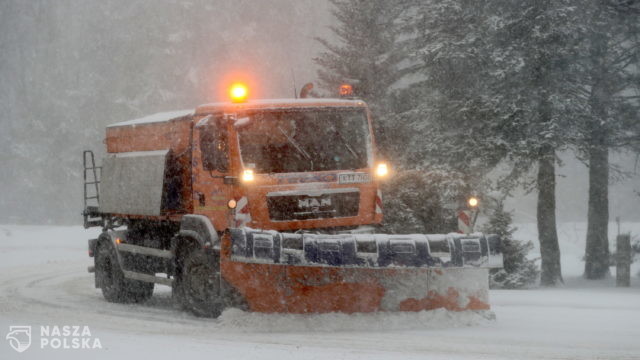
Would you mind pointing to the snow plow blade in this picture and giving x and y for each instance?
(318, 273)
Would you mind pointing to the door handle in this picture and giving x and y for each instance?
(201, 198)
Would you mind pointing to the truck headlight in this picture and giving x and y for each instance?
(247, 175)
(382, 170)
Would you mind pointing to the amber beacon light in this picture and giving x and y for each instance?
(238, 92)
(346, 90)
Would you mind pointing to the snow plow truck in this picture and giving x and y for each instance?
(270, 206)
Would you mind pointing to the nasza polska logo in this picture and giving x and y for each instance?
(19, 337)
(54, 337)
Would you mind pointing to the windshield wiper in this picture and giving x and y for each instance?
(344, 142)
(300, 149)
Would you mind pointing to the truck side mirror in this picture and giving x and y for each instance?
(214, 146)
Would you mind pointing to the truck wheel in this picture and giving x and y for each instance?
(115, 287)
(199, 285)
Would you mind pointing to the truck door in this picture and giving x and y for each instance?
(210, 165)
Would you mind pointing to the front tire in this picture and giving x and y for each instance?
(115, 287)
(199, 284)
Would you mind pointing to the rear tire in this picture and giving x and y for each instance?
(198, 286)
(115, 287)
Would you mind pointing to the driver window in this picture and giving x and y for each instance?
(214, 145)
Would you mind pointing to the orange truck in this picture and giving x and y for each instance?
(267, 205)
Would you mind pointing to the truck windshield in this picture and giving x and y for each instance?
(304, 140)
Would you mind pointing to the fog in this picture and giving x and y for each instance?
(69, 68)
(572, 187)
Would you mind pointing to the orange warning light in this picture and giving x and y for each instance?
(346, 90)
(238, 92)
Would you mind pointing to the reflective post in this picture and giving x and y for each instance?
(623, 260)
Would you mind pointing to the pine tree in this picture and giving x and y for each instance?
(364, 54)
(414, 201)
(518, 270)
(502, 91)
(609, 62)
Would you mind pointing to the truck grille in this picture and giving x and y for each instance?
(305, 207)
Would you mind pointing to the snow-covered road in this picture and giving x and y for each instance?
(43, 282)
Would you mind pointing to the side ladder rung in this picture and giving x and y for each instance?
(92, 174)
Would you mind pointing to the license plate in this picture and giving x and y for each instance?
(353, 178)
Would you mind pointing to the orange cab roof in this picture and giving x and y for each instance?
(253, 104)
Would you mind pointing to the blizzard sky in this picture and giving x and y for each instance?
(70, 67)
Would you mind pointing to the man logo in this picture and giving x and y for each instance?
(19, 337)
(314, 203)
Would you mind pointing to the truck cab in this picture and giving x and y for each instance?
(286, 165)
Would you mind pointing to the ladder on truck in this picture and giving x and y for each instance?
(92, 175)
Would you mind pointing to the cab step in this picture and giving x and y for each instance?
(147, 278)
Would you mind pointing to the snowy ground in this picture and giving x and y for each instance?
(43, 281)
